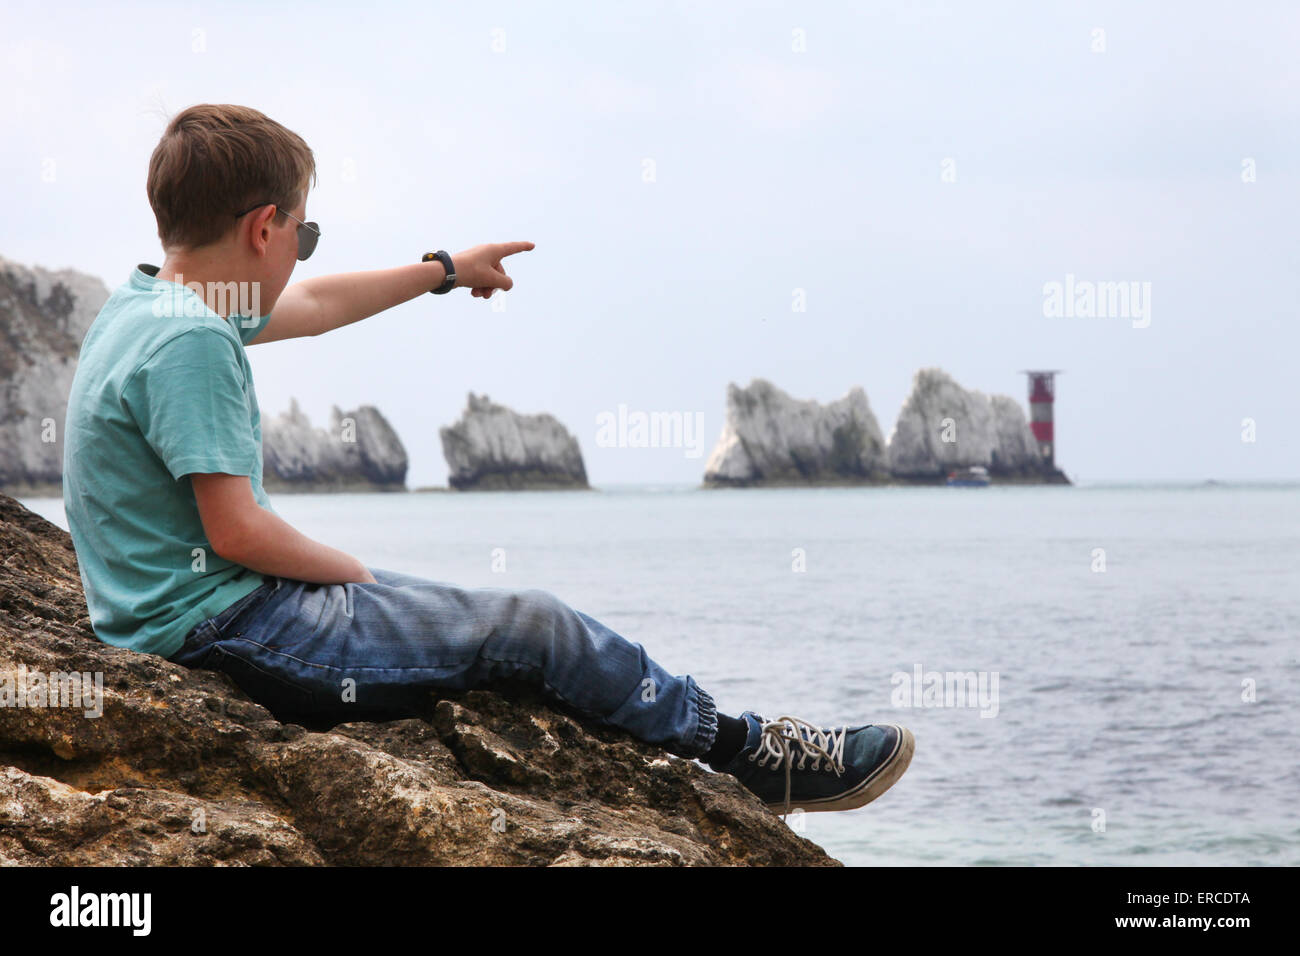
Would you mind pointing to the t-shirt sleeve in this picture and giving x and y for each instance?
(188, 400)
(248, 326)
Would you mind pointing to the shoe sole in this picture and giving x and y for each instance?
(884, 777)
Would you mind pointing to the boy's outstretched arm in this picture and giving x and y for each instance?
(242, 531)
(318, 305)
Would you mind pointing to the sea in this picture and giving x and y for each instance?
(1101, 674)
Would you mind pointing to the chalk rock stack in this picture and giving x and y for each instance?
(44, 316)
(943, 426)
(494, 448)
(771, 438)
(1015, 450)
(360, 451)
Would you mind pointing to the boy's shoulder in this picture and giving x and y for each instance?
(145, 318)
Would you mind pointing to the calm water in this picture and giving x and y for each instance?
(1119, 691)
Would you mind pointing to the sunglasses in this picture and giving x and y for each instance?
(308, 232)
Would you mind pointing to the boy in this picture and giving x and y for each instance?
(182, 555)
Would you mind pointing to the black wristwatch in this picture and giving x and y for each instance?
(442, 256)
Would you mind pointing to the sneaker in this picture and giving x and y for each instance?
(836, 768)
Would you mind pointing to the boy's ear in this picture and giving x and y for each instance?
(259, 228)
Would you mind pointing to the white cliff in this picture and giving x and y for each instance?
(359, 451)
(770, 437)
(943, 426)
(44, 316)
(495, 448)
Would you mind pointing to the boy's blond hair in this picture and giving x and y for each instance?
(215, 160)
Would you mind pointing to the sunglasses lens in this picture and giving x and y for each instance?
(308, 233)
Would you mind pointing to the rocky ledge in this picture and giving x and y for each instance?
(360, 451)
(183, 769)
(493, 448)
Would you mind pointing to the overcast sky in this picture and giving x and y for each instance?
(919, 171)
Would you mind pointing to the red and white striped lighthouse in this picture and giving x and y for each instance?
(1042, 393)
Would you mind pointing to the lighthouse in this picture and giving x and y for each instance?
(1042, 393)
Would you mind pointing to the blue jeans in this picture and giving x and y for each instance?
(366, 651)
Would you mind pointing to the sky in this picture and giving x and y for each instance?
(821, 194)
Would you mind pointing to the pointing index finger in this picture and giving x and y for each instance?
(510, 248)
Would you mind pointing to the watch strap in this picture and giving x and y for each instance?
(450, 282)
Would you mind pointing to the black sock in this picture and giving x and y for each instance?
(732, 733)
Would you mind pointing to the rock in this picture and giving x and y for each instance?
(771, 438)
(44, 315)
(358, 452)
(493, 448)
(1015, 450)
(184, 769)
(943, 426)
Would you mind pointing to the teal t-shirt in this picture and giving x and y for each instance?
(162, 389)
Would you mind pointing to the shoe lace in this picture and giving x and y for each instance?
(780, 738)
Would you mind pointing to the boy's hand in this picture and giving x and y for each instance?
(479, 268)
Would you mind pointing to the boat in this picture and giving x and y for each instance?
(976, 476)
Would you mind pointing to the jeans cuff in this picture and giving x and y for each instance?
(706, 730)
